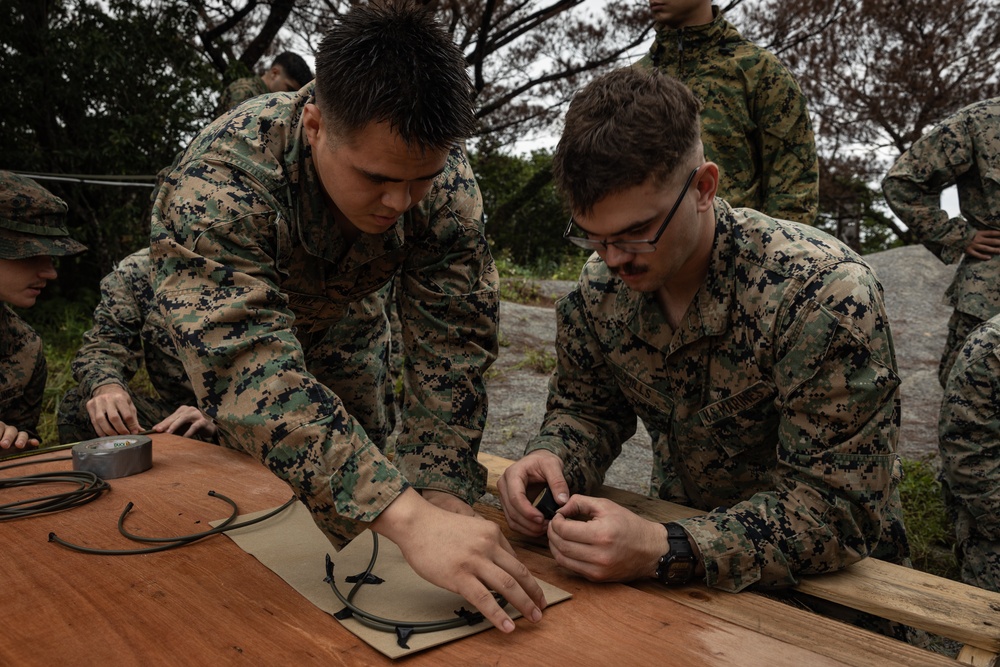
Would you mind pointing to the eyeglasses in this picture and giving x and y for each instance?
(631, 247)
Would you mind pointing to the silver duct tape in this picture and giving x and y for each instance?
(116, 456)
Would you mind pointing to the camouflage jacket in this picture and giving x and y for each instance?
(238, 91)
(129, 330)
(248, 260)
(970, 430)
(754, 120)
(963, 150)
(22, 373)
(776, 399)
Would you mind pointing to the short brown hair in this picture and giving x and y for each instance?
(622, 128)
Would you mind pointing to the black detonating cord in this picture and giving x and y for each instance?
(89, 487)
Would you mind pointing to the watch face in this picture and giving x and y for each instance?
(680, 571)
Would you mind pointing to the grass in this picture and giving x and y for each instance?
(932, 538)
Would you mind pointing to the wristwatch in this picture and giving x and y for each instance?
(676, 567)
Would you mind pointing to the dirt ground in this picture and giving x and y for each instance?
(914, 282)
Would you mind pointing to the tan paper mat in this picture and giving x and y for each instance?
(294, 548)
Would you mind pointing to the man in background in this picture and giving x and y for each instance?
(754, 122)
(962, 150)
(32, 232)
(129, 333)
(288, 72)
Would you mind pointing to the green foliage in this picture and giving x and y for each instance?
(100, 88)
(61, 324)
(930, 533)
(525, 217)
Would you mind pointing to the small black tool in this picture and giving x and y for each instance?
(546, 504)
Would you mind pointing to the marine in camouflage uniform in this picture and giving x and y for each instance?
(23, 373)
(240, 90)
(963, 150)
(758, 348)
(128, 331)
(32, 230)
(969, 430)
(281, 326)
(776, 397)
(755, 124)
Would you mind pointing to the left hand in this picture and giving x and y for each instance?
(609, 543)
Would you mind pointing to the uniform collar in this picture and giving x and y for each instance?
(709, 312)
(669, 43)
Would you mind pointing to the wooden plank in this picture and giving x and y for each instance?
(211, 602)
(948, 608)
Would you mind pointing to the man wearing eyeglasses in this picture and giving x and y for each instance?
(759, 348)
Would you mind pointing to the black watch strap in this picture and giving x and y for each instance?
(676, 567)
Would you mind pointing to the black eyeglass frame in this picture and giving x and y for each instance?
(631, 247)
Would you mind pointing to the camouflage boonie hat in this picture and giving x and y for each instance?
(32, 220)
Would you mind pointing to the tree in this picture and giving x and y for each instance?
(105, 88)
(526, 57)
(879, 74)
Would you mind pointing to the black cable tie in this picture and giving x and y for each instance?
(343, 614)
(368, 578)
(403, 635)
(471, 617)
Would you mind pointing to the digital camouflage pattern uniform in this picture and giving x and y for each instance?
(22, 373)
(281, 325)
(776, 397)
(238, 91)
(963, 150)
(128, 330)
(32, 224)
(754, 120)
(970, 454)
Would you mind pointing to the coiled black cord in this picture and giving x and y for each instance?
(89, 487)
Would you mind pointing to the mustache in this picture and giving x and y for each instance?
(631, 268)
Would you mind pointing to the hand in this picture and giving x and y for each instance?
(528, 475)
(11, 438)
(196, 422)
(112, 412)
(610, 543)
(984, 245)
(463, 555)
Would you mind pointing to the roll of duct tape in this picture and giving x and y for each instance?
(116, 456)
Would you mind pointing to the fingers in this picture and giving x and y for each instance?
(11, 438)
(521, 483)
(512, 580)
(112, 412)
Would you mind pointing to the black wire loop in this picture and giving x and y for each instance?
(88, 487)
(402, 629)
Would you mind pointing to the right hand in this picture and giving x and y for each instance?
(462, 554)
(11, 438)
(985, 244)
(526, 475)
(112, 412)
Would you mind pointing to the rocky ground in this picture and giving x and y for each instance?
(914, 282)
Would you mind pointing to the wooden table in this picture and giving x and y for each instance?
(211, 603)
